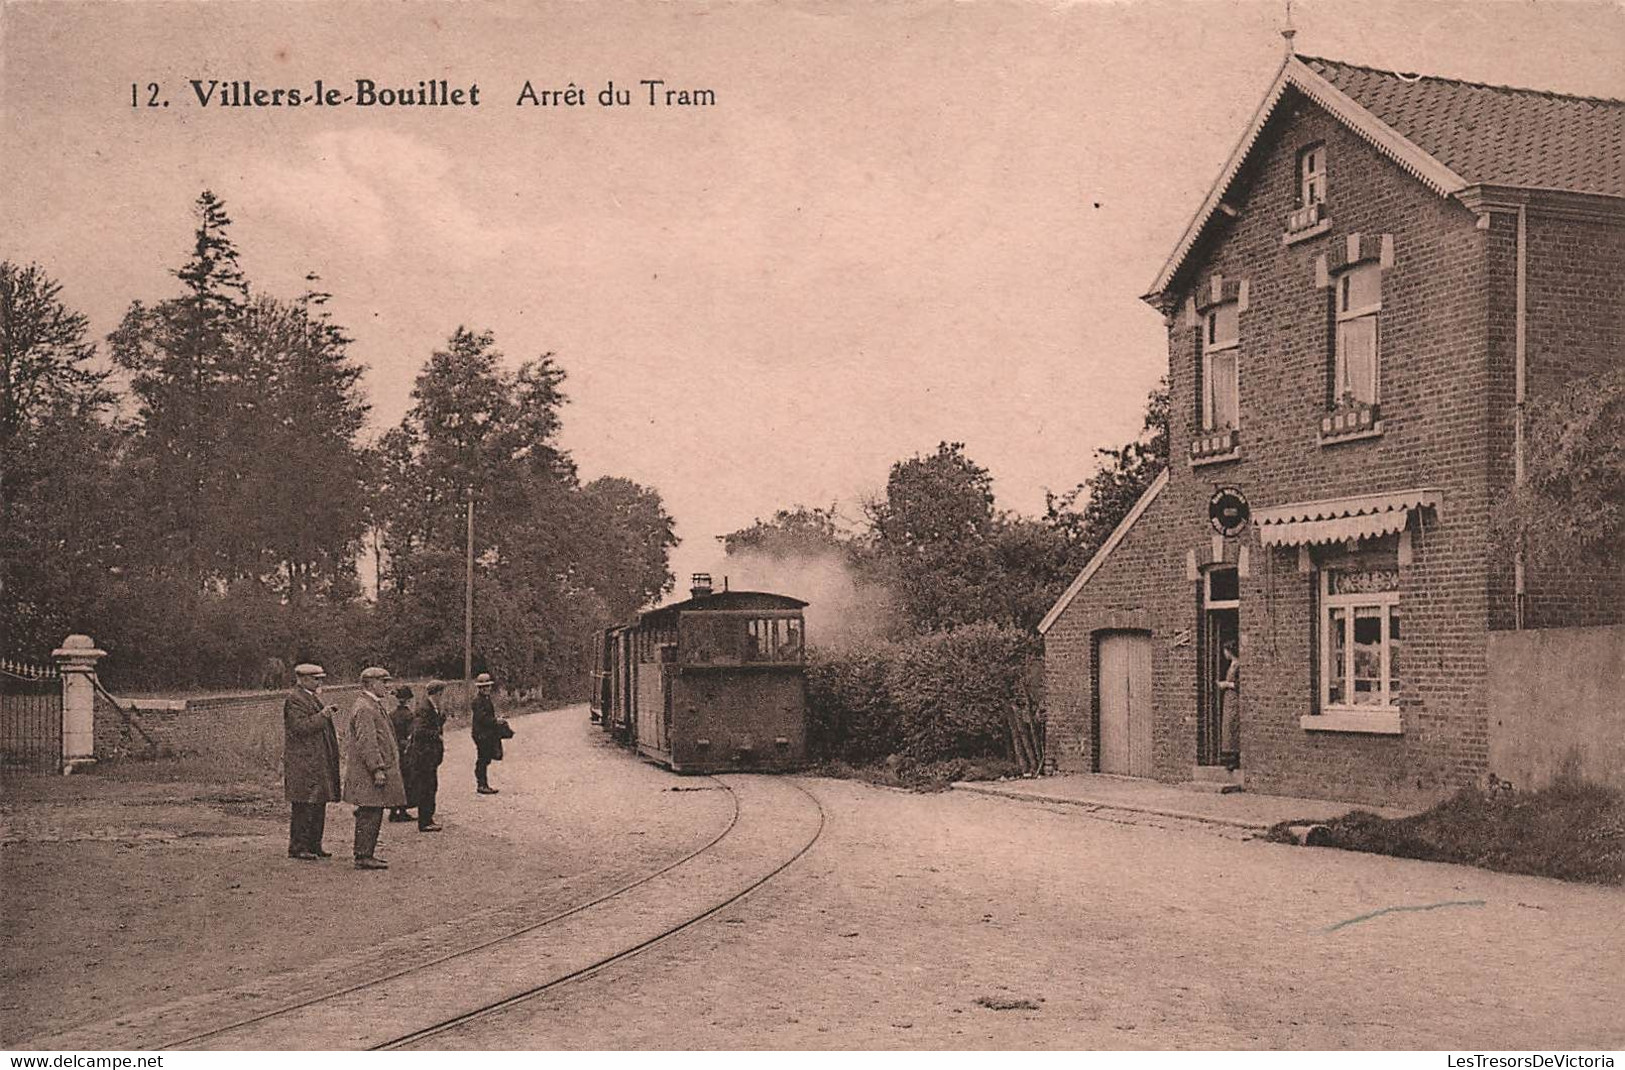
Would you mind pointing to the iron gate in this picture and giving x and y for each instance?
(30, 716)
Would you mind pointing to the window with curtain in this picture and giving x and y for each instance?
(1356, 374)
(1221, 388)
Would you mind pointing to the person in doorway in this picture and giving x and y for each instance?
(372, 770)
(424, 754)
(400, 719)
(1230, 707)
(310, 762)
(487, 729)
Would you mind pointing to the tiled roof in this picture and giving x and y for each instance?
(1494, 135)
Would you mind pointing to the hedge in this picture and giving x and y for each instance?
(965, 693)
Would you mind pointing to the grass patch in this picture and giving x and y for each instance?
(1572, 831)
(899, 772)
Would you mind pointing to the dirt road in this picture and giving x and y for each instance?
(917, 921)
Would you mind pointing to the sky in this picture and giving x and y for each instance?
(897, 223)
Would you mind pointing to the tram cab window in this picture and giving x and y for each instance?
(740, 640)
(789, 647)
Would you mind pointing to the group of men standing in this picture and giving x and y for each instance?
(390, 762)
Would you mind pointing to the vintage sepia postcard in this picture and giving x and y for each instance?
(905, 525)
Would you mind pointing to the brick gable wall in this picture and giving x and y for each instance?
(1436, 394)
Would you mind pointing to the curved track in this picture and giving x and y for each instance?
(473, 1016)
(774, 823)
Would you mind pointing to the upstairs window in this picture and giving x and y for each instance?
(1221, 340)
(1355, 373)
(1312, 176)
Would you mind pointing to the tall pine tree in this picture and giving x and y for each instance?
(179, 356)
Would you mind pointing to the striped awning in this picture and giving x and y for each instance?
(1340, 519)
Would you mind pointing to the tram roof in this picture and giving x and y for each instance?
(725, 600)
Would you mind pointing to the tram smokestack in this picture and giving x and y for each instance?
(699, 584)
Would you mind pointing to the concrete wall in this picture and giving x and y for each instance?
(1557, 704)
(183, 726)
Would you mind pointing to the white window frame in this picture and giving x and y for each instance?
(1388, 602)
(1312, 183)
(1211, 346)
(1342, 288)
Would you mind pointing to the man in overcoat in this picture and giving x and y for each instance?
(487, 733)
(424, 754)
(310, 762)
(372, 769)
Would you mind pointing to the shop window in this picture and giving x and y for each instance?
(1360, 640)
(1356, 371)
(1221, 388)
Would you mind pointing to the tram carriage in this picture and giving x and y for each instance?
(712, 684)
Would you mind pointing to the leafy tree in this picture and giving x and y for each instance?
(1121, 477)
(44, 355)
(1033, 562)
(1573, 497)
(302, 489)
(794, 532)
(629, 550)
(472, 426)
(554, 560)
(60, 524)
(936, 530)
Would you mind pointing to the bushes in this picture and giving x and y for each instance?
(850, 716)
(936, 698)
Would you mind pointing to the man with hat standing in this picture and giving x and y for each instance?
(487, 732)
(310, 762)
(372, 770)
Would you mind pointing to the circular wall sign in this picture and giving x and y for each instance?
(1228, 512)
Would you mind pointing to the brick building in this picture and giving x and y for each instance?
(1389, 267)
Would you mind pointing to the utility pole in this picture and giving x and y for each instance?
(468, 608)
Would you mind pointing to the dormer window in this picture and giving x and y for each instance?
(1221, 340)
(1308, 218)
(1312, 176)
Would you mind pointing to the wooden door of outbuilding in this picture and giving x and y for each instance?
(1125, 704)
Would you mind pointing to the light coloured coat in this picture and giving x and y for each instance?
(369, 746)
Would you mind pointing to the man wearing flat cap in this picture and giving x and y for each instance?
(310, 762)
(372, 770)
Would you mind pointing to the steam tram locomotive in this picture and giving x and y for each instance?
(712, 684)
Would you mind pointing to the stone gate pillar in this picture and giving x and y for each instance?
(76, 659)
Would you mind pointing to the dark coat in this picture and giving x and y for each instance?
(425, 751)
(400, 719)
(487, 728)
(310, 750)
(370, 747)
